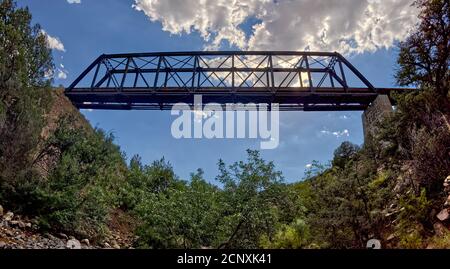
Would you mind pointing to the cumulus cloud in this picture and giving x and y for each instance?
(347, 26)
(74, 1)
(337, 134)
(53, 42)
(62, 74)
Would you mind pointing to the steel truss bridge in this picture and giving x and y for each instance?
(309, 81)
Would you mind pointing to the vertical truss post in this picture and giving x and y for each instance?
(300, 65)
(194, 72)
(158, 69)
(109, 74)
(233, 74)
(272, 75)
(124, 76)
(138, 72)
(308, 70)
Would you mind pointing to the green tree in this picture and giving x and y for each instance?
(158, 177)
(24, 99)
(424, 58)
(252, 197)
(84, 186)
(345, 202)
(420, 128)
(183, 216)
(24, 57)
(344, 153)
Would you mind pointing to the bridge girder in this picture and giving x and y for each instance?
(310, 81)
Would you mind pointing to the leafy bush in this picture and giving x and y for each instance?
(158, 177)
(293, 236)
(185, 216)
(411, 240)
(24, 99)
(440, 241)
(85, 184)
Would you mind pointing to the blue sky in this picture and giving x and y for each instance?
(94, 27)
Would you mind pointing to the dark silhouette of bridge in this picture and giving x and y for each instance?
(309, 81)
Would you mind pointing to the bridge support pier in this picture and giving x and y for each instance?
(374, 114)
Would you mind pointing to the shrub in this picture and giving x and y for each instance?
(85, 184)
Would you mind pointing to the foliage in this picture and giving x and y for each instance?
(185, 216)
(424, 57)
(24, 100)
(344, 153)
(441, 241)
(85, 184)
(24, 57)
(142, 180)
(344, 204)
(252, 197)
(411, 240)
(199, 214)
(293, 236)
(415, 208)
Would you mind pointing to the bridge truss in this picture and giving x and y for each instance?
(310, 81)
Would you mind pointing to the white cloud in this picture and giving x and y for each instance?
(337, 134)
(347, 26)
(53, 42)
(308, 166)
(62, 74)
(74, 1)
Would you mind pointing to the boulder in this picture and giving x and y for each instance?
(443, 215)
(8, 216)
(439, 229)
(374, 244)
(447, 184)
(73, 244)
(447, 203)
(86, 242)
